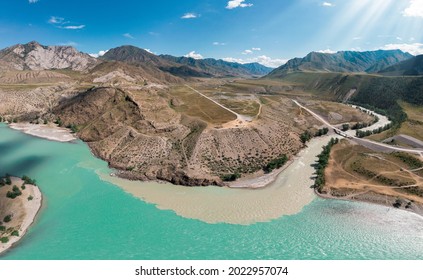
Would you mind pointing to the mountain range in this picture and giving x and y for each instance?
(343, 62)
(34, 56)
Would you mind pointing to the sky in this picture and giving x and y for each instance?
(265, 31)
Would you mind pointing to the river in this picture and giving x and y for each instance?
(85, 217)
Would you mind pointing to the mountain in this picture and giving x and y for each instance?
(221, 68)
(33, 56)
(184, 66)
(409, 67)
(342, 62)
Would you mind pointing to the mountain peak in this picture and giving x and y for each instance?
(34, 56)
(343, 61)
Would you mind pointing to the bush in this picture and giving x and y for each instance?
(230, 177)
(8, 180)
(14, 193)
(7, 218)
(2, 228)
(28, 180)
(345, 127)
(11, 195)
(305, 136)
(15, 233)
(275, 164)
(4, 239)
(30, 198)
(23, 187)
(321, 132)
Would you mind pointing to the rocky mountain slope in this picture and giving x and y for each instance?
(409, 67)
(33, 56)
(184, 66)
(221, 68)
(141, 135)
(343, 61)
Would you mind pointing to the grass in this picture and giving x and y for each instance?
(196, 105)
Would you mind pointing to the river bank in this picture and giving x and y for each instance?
(21, 211)
(46, 131)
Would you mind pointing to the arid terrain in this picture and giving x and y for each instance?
(358, 173)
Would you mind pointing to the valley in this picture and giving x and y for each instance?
(189, 122)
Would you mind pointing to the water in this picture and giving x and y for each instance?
(86, 218)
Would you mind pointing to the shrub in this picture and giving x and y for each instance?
(275, 164)
(15, 233)
(28, 180)
(7, 218)
(8, 180)
(230, 177)
(11, 195)
(2, 228)
(345, 127)
(30, 198)
(4, 239)
(305, 136)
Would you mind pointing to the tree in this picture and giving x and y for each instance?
(345, 126)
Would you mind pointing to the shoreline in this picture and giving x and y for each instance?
(377, 200)
(287, 194)
(49, 132)
(31, 208)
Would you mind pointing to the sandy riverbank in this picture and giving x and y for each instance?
(23, 211)
(49, 131)
(286, 195)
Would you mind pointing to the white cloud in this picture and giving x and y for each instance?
(252, 50)
(414, 49)
(219, 44)
(74, 27)
(189, 15)
(412, 39)
(357, 38)
(128, 35)
(262, 59)
(56, 20)
(326, 51)
(150, 51)
(60, 22)
(399, 38)
(32, 1)
(327, 4)
(194, 55)
(415, 9)
(237, 3)
(100, 53)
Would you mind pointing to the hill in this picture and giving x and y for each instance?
(342, 62)
(34, 56)
(409, 67)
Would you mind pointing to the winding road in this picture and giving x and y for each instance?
(365, 142)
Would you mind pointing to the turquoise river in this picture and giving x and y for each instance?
(84, 217)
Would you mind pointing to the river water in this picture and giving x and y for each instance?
(85, 217)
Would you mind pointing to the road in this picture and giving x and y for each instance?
(365, 142)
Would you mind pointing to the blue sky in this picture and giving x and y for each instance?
(267, 31)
